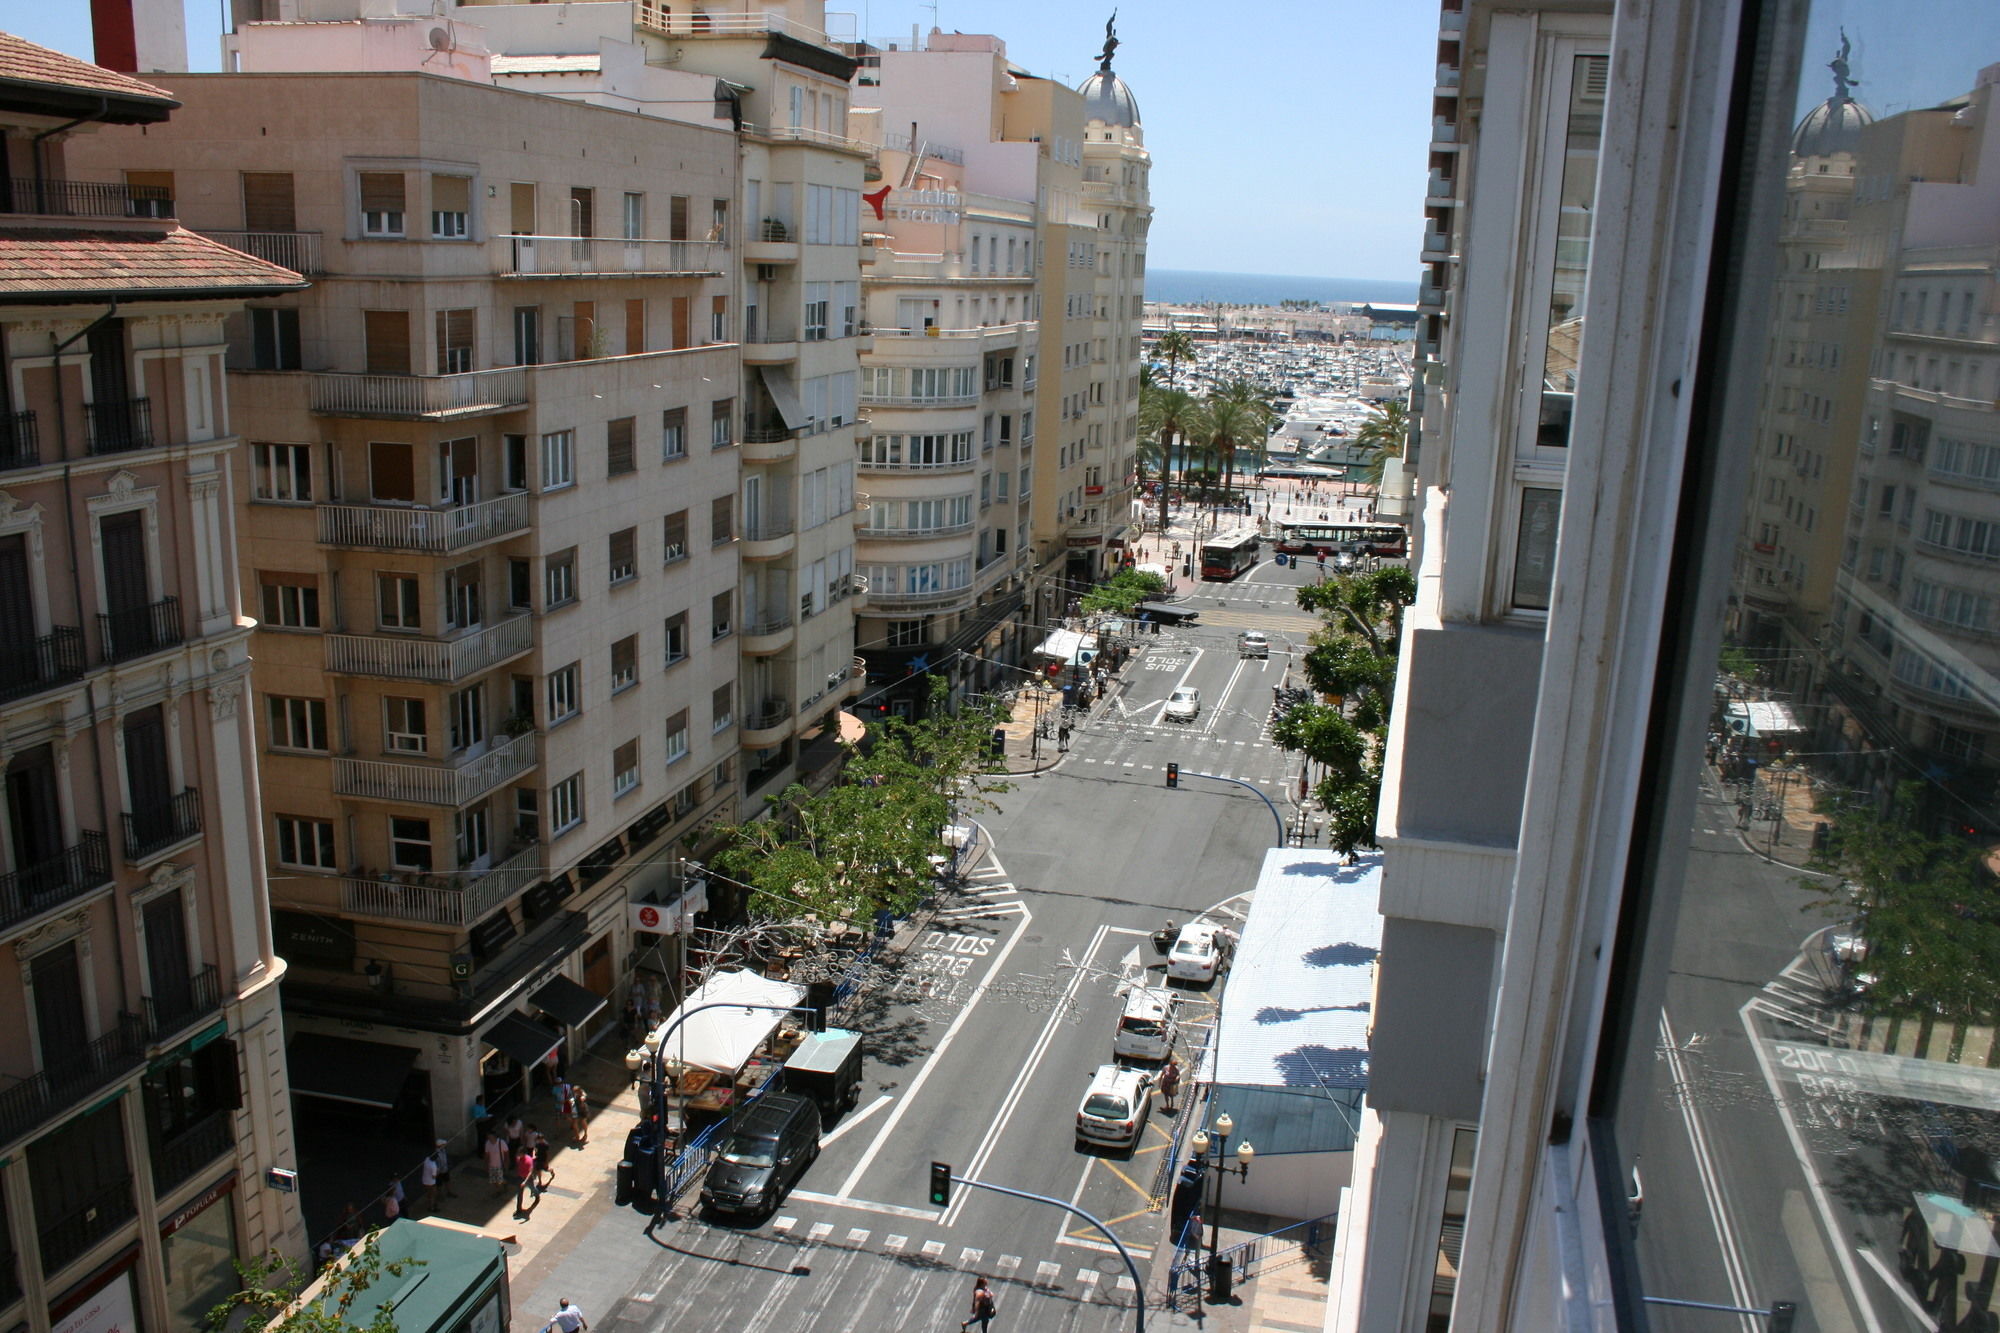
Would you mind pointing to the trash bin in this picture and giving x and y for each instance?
(1219, 1278)
(623, 1196)
(645, 1174)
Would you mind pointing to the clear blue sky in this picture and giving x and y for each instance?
(1291, 142)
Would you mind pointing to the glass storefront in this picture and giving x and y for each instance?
(199, 1255)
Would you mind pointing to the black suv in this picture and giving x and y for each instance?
(776, 1138)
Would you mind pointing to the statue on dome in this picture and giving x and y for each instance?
(1839, 66)
(1110, 44)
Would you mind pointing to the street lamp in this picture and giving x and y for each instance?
(1218, 1269)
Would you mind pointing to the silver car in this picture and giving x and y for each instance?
(1184, 705)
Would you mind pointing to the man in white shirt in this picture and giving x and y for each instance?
(568, 1319)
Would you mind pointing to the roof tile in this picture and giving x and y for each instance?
(25, 62)
(48, 262)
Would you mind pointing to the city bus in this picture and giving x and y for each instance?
(1230, 554)
(1303, 538)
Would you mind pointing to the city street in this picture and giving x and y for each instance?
(985, 1033)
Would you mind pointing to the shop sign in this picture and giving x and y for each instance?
(106, 1310)
(301, 937)
(1079, 542)
(199, 1203)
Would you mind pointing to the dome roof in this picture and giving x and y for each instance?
(1107, 99)
(1834, 126)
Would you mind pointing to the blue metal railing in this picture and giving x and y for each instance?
(1185, 1269)
(1263, 1253)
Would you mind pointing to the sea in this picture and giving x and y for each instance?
(1188, 286)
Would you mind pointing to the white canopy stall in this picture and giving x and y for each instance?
(724, 1039)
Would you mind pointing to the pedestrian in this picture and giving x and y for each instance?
(496, 1160)
(427, 1176)
(579, 1114)
(442, 1156)
(514, 1132)
(568, 1319)
(562, 1090)
(524, 1180)
(538, 1146)
(984, 1307)
(1170, 1084)
(392, 1199)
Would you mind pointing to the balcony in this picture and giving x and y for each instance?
(1437, 247)
(20, 442)
(298, 251)
(153, 829)
(453, 899)
(175, 1160)
(73, 872)
(136, 631)
(70, 1077)
(171, 1014)
(768, 536)
(766, 724)
(85, 1222)
(608, 256)
(660, 17)
(914, 534)
(770, 346)
(118, 425)
(420, 397)
(965, 464)
(440, 661)
(450, 785)
(769, 632)
(769, 442)
(917, 400)
(84, 199)
(413, 528)
(928, 600)
(31, 667)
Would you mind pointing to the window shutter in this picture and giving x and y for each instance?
(521, 207)
(388, 337)
(268, 201)
(451, 194)
(618, 446)
(382, 191)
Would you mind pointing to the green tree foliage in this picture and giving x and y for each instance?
(272, 1287)
(1227, 427)
(1163, 414)
(1352, 658)
(1382, 438)
(1125, 590)
(1925, 907)
(1737, 662)
(1174, 346)
(865, 843)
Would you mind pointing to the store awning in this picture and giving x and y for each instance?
(785, 397)
(346, 1069)
(569, 1003)
(524, 1040)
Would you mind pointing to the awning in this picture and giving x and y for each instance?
(346, 1069)
(568, 1002)
(722, 1038)
(524, 1040)
(778, 383)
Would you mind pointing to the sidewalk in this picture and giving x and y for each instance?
(1288, 1294)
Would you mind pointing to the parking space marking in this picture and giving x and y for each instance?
(1087, 1279)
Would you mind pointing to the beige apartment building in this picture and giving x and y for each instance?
(145, 1126)
(493, 539)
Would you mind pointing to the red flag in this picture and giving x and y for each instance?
(876, 200)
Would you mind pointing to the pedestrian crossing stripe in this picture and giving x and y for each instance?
(1046, 1273)
(857, 1236)
(820, 1231)
(784, 1225)
(895, 1244)
(933, 1248)
(969, 1257)
(1007, 1264)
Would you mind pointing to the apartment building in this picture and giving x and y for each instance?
(950, 387)
(494, 525)
(145, 1096)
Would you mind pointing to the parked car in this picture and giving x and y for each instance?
(1184, 705)
(1253, 643)
(775, 1140)
(1116, 1106)
(1147, 1027)
(1199, 953)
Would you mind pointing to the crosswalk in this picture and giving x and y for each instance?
(1084, 1284)
(1135, 747)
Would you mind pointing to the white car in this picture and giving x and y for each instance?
(1183, 705)
(1147, 1026)
(1253, 643)
(1115, 1108)
(1199, 953)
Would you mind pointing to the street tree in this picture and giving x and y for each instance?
(279, 1294)
(1382, 437)
(1174, 346)
(1123, 591)
(1163, 415)
(1227, 428)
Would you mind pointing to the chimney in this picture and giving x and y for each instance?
(140, 36)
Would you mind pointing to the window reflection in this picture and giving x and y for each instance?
(1572, 249)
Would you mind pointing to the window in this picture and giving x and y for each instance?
(906, 634)
(291, 601)
(403, 726)
(454, 341)
(722, 706)
(624, 768)
(677, 737)
(514, 462)
(625, 663)
(674, 534)
(562, 691)
(466, 714)
(451, 207)
(722, 520)
(718, 319)
(527, 335)
(718, 614)
(721, 423)
(618, 459)
(817, 299)
(582, 211)
(635, 215)
(527, 814)
(559, 578)
(673, 434)
(470, 838)
(677, 638)
(558, 459)
(274, 338)
(306, 843)
(566, 804)
(398, 604)
(520, 583)
(409, 843)
(381, 203)
(464, 602)
(297, 724)
(624, 557)
(282, 472)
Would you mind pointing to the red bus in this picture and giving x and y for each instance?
(1229, 554)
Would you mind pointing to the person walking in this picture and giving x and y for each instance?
(524, 1180)
(568, 1319)
(427, 1176)
(496, 1160)
(538, 1147)
(442, 1156)
(1170, 1084)
(579, 1114)
(984, 1307)
(392, 1199)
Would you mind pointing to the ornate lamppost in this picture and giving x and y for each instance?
(1219, 1275)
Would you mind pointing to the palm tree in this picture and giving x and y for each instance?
(1163, 414)
(1382, 438)
(1176, 347)
(1227, 426)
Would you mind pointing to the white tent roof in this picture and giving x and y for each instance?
(1757, 717)
(1069, 645)
(722, 1039)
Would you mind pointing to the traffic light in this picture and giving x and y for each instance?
(940, 1184)
(1783, 1315)
(1173, 775)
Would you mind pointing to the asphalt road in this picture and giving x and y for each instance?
(983, 1040)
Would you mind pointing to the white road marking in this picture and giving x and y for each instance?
(1711, 1179)
(857, 1236)
(1124, 1284)
(1894, 1282)
(895, 1244)
(1046, 1273)
(856, 1119)
(784, 1224)
(865, 1205)
(820, 1231)
(983, 909)
(1007, 1264)
(1087, 1279)
(969, 1257)
(933, 1248)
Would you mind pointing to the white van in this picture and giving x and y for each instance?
(1147, 1027)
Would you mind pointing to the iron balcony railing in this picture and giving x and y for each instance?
(119, 425)
(436, 900)
(152, 828)
(767, 622)
(768, 433)
(918, 534)
(84, 1222)
(85, 199)
(39, 663)
(20, 443)
(767, 715)
(409, 528)
(452, 785)
(139, 630)
(767, 527)
(442, 661)
(419, 397)
(298, 251)
(585, 256)
(71, 873)
(69, 1075)
(178, 1158)
(181, 1007)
